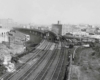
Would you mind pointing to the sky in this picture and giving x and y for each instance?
(50, 11)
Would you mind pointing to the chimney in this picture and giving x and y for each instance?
(58, 22)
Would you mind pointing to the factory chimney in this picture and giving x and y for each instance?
(58, 22)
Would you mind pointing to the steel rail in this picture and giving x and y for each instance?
(43, 72)
(34, 66)
(63, 67)
(55, 74)
(20, 75)
(6, 76)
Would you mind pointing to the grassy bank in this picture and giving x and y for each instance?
(86, 64)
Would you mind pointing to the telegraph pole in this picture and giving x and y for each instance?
(9, 41)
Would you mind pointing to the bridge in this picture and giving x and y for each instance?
(37, 35)
(49, 60)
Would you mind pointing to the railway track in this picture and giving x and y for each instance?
(57, 69)
(50, 66)
(63, 66)
(57, 72)
(35, 52)
(40, 68)
(53, 61)
(27, 68)
(52, 70)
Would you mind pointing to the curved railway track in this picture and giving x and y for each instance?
(45, 68)
(50, 66)
(57, 70)
(35, 53)
(53, 69)
(27, 68)
(33, 67)
(43, 65)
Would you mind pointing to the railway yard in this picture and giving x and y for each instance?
(54, 61)
(57, 60)
(47, 62)
(50, 40)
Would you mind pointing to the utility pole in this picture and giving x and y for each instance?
(70, 68)
(9, 41)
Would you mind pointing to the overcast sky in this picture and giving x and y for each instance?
(50, 11)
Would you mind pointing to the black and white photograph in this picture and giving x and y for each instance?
(49, 39)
